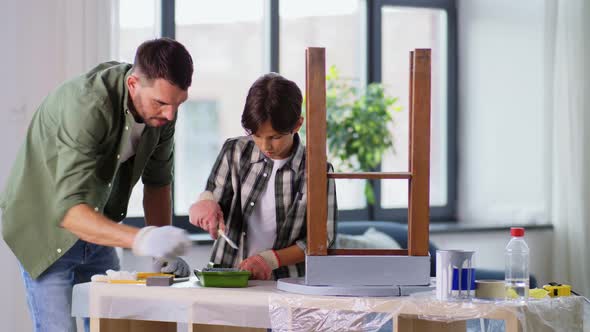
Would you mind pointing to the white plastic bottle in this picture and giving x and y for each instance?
(517, 267)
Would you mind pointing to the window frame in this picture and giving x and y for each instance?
(371, 28)
(446, 213)
(167, 29)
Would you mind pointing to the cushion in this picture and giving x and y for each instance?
(371, 239)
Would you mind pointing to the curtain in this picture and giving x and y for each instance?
(90, 30)
(569, 91)
(45, 42)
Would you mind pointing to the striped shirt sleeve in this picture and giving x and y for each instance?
(219, 182)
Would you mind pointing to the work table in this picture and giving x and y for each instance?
(131, 307)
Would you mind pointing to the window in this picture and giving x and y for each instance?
(403, 28)
(197, 141)
(333, 24)
(225, 39)
(138, 21)
(233, 42)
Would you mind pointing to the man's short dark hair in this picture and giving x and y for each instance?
(275, 98)
(165, 58)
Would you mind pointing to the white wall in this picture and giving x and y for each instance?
(25, 75)
(504, 155)
(44, 42)
(504, 176)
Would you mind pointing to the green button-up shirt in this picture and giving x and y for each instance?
(71, 156)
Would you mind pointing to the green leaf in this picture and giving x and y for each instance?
(358, 128)
(369, 194)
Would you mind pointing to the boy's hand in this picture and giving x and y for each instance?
(207, 214)
(261, 265)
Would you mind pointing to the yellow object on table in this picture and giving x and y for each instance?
(558, 290)
(125, 281)
(125, 277)
(535, 293)
(538, 293)
(141, 278)
(145, 275)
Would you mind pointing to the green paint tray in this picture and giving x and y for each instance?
(222, 277)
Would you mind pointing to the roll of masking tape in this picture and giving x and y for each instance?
(490, 289)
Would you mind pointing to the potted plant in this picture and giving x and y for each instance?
(357, 129)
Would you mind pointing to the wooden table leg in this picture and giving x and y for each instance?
(413, 324)
(94, 324)
(512, 324)
(128, 325)
(220, 328)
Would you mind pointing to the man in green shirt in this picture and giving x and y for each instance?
(87, 145)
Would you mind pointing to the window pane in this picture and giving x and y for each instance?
(404, 29)
(138, 22)
(225, 39)
(197, 145)
(333, 24)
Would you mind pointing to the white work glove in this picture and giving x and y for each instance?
(177, 266)
(206, 214)
(161, 242)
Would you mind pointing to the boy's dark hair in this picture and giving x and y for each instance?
(165, 58)
(275, 98)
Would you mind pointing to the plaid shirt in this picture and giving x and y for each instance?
(237, 181)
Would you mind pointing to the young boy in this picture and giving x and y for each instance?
(256, 192)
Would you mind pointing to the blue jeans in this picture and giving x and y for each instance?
(50, 295)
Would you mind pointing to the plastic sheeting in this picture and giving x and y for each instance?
(185, 302)
(262, 305)
(293, 312)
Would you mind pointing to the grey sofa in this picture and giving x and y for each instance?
(399, 232)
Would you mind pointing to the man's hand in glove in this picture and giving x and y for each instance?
(178, 266)
(161, 242)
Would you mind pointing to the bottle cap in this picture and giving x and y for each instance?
(517, 231)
